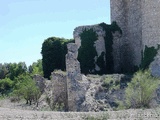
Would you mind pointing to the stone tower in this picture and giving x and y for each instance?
(139, 21)
(127, 14)
(150, 22)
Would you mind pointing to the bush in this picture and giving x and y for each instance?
(110, 83)
(5, 85)
(140, 90)
(28, 90)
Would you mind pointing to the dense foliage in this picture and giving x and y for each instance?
(6, 86)
(140, 90)
(54, 50)
(53, 54)
(26, 88)
(36, 68)
(17, 78)
(148, 56)
(109, 29)
(12, 70)
(87, 51)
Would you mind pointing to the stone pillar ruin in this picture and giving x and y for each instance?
(73, 77)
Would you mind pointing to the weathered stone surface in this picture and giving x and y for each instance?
(48, 92)
(150, 22)
(99, 98)
(128, 15)
(139, 21)
(155, 65)
(59, 82)
(40, 82)
(78, 30)
(73, 78)
(99, 43)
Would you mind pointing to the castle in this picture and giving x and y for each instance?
(132, 41)
(139, 42)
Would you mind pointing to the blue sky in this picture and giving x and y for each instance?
(25, 24)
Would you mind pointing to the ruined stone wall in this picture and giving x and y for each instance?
(59, 84)
(127, 14)
(100, 42)
(40, 82)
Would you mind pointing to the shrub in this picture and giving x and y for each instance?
(5, 85)
(140, 90)
(28, 90)
(110, 83)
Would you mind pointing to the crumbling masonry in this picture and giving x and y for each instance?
(75, 89)
(139, 22)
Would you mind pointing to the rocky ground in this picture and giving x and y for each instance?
(16, 114)
(99, 97)
(21, 111)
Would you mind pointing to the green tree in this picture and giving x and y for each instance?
(53, 55)
(36, 68)
(141, 89)
(5, 85)
(26, 88)
(4, 70)
(16, 69)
